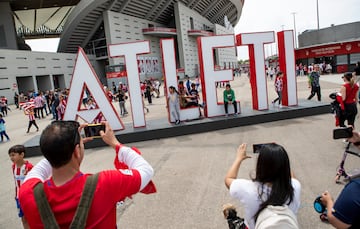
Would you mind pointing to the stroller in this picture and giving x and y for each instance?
(337, 106)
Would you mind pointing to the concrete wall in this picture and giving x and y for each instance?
(7, 27)
(121, 28)
(21, 71)
(226, 56)
(188, 51)
(331, 34)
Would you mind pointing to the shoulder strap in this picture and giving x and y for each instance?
(46, 214)
(79, 220)
(81, 214)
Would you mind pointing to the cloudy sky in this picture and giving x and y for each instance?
(275, 15)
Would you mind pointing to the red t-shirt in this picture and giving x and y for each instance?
(112, 187)
(351, 93)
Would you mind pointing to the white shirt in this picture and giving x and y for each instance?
(247, 192)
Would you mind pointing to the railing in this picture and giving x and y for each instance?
(97, 47)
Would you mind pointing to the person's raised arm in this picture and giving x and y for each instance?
(128, 156)
(234, 169)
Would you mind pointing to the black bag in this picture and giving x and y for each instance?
(234, 221)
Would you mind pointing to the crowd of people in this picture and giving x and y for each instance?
(273, 187)
(304, 70)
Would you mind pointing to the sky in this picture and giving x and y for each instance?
(274, 15)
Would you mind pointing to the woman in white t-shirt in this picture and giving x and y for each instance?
(272, 185)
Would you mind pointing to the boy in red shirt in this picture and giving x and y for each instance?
(20, 168)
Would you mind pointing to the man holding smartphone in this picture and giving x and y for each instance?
(63, 182)
(344, 213)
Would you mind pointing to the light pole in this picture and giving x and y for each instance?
(317, 13)
(293, 13)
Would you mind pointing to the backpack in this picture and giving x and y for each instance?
(276, 217)
(81, 214)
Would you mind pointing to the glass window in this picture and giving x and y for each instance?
(354, 58)
(341, 59)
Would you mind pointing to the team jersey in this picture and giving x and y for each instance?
(19, 175)
(112, 187)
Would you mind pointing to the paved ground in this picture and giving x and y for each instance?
(189, 170)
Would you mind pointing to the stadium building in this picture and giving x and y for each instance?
(338, 45)
(94, 24)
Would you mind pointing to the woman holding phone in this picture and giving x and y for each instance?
(272, 184)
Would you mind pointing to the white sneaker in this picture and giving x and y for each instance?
(280, 106)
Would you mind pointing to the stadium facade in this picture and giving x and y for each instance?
(338, 45)
(94, 24)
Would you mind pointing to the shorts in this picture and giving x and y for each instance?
(20, 212)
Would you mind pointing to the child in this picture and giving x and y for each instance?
(20, 168)
(30, 112)
(2, 129)
(174, 104)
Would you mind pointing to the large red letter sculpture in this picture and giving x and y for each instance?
(130, 51)
(256, 42)
(209, 75)
(287, 66)
(83, 77)
(169, 69)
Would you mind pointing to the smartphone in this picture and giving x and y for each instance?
(344, 132)
(257, 147)
(93, 130)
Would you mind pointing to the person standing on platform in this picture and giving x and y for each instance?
(279, 84)
(314, 83)
(174, 104)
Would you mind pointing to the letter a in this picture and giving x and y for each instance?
(85, 76)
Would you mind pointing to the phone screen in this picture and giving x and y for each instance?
(93, 130)
(257, 147)
(346, 132)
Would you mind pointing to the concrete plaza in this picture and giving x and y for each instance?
(190, 169)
